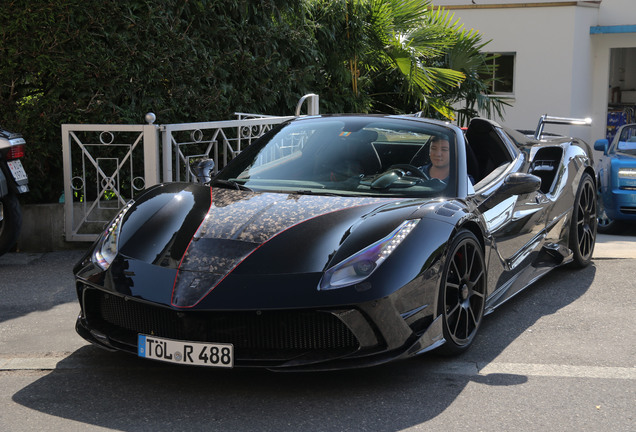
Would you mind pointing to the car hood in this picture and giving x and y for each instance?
(207, 233)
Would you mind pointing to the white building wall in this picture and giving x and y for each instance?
(581, 79)
(560, 68)
(617, 12)
(602, 44)
(611, 13)
(553, 59)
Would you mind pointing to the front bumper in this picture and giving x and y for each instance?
(320, 339)
(622, 205)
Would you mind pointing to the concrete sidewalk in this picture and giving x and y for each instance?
(615, 246)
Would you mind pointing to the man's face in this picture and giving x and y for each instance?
(440, 153)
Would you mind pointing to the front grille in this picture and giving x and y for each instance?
(249, 331)
(629, 210)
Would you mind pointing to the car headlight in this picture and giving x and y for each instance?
(361, 265)
(106, 250)
(627, 173)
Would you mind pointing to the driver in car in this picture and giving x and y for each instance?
(439, 153)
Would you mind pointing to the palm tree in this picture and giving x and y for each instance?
(402, 55)
(408, 37)
(474, 96)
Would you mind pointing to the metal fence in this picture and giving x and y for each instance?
(106, 165)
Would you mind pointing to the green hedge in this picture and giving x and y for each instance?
(101, 61)
(112, 61)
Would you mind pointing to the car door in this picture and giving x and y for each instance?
(515, 221)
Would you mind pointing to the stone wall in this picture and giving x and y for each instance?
(43, 229)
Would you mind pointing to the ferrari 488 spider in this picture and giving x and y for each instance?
(339, 241)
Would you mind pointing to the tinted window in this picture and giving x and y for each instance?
(627, 140)
(350, 156)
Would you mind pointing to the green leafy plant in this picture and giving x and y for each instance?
(109, 61)
(90, 61)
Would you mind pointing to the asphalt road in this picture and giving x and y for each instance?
(561, 356)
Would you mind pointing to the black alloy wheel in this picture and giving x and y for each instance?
(463, 293)
(584, 223)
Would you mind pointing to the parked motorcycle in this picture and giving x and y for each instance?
(13, 181)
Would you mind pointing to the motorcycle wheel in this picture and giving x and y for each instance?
(11, 224)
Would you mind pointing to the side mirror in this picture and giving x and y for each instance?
(601, 145)
(202, 169)
(520, 184)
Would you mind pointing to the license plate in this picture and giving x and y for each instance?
(15, 166)
(183, 352)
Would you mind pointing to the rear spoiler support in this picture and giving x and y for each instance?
(546, 119)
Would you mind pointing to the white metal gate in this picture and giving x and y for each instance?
(106, 165)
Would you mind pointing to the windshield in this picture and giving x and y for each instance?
(378, 156)
(626, 142)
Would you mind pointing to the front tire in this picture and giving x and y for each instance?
(462, 293)
(11, 223)
(584, 223)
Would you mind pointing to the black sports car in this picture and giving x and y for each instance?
(339, 241)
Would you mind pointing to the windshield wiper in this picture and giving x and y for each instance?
(312, 192)
(230, 184)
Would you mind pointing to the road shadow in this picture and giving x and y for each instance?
(119, 391)
(627, 229)
(32, 282)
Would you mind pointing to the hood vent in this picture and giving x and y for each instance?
(447, 209)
